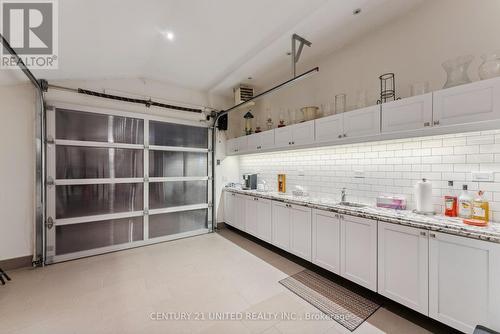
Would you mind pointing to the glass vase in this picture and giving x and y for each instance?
(456, 71)
(490, 68)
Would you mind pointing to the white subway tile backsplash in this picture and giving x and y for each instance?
(389, 167)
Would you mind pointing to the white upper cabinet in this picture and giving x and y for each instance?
(283, 136)
(475, 102)
(237, 145)
(260, 141)
(358, 249)
(362, 122)
(303, 133)
(464, 282)
(403, 265)
(411, 113)
(293, 135)
(329, 128)
(326, 240)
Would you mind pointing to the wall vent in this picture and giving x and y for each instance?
(242, 94)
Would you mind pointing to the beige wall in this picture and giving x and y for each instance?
(17, 169)
(413, 46)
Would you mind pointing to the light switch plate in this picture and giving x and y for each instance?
(482, 176)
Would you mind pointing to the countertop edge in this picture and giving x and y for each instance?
(463, 231)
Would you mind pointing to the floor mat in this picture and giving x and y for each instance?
(339, 303)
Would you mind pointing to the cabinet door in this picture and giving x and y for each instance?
(251, 215)
(303, 133)
(358, 249)
(329, 128)
(242, 144)
(411, 113)
(281, 226)
(326, 240)
(253, 142)
(300, 243)
(239, 212)
(267, 139)
(231, 146)
(362, 122)
(229, 201)
(403, 265)
(464, 276)
(283, 136)
(264, 219)
(479, 101)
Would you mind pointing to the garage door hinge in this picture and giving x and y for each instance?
(50, 140)
(210, 205)
(49, 223)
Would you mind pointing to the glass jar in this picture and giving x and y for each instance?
(456, 71)
(490, 68)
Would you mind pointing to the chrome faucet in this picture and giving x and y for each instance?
(342, 195)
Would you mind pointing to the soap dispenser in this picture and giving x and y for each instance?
(465, 203)
(480, 208)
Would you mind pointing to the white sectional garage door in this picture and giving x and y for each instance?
(118, 180)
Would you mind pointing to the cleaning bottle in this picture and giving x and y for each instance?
(450, 202)
(465, 203)
(480, 208)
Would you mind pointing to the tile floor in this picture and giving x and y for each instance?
(190, 278)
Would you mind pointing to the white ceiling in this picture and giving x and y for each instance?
(217, 43)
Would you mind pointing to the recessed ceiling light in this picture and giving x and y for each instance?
(169, 35)
(356, 11)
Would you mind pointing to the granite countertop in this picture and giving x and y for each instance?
(438, 223)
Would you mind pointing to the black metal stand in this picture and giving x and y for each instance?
(2, 275)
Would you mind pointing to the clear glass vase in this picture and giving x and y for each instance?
(456, 71)
(490, 68)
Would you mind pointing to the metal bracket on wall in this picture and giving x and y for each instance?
(296, 53)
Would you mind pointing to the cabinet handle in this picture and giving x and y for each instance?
(255, 199)
(293, 142)
(423, 233)
(436, 122)
(427, 124)
(233, 194)
(340, 136)
(289, 143)
(432, 235)
(345, 135)
(337, 215)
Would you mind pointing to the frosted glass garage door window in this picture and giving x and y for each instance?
(85, 236)
(177, 193)
(168, 134)
(98, 199)
(79, 125)
(177, 222)
(76, 162)
(177, 164)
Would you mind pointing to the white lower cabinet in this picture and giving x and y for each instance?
(326, 240)
(358, 249)
(238, 213)
(403, 265)
(292, 229)
(229, 203)
(300, 219)
(258, 217)
(464, 282)
(281, 226)
(251, 215)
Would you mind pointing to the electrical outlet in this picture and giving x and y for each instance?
(359, 174)
(301, 172)
(482, 176)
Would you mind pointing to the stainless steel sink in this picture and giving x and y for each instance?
(353, 205)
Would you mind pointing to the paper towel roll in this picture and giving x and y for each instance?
(423, 196)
